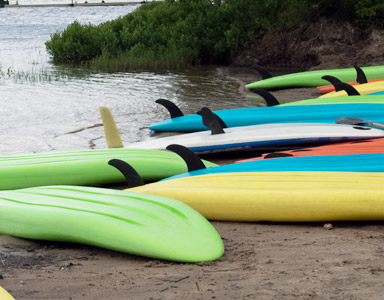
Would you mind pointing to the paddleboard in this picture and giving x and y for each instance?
(279, 196)
(340, 163)
(325, 113)
(313, 78)
(352, 147)
(378, 99)
(134, 223)
(85, 167)
(363, 89)
(257, 136)
(4, 295)
(330, 88)
(377, 93)
(272, 101)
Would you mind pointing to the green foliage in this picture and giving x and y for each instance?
(172, 34)
(373, 10)
(82, 42)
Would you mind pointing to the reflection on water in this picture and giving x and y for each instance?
(49, 108)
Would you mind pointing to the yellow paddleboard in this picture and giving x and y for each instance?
(363, 89)
(279, 196)
(4, 295)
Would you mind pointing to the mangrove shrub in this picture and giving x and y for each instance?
(170, 34)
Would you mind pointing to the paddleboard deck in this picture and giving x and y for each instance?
(330, 88)
(339, 100)
(279, 196)
(353, 147)
(134, 223)
(362, 89)
(262, 136)
(313, 78)
(380, 93)
(85, 167)
(336, 163)
(4, 295)
(325, 113)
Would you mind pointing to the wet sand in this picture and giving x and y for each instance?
(261, 260)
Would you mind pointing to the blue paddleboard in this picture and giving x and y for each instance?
(342, 163)
(324, 113)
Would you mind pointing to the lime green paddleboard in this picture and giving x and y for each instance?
(85, 167)
(313, 78)
(135, 223)
(272, 101)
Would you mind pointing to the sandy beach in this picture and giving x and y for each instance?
(261, 261)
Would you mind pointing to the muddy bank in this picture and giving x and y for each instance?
(322, 45)
(261, 261)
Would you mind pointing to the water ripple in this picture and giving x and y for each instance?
(46, 107)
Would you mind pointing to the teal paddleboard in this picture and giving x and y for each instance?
(135, 223)
(372, 162)
(85, 167)
(313, 78)
(377, 93)
(324, 113)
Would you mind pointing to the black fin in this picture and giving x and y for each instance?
(351, 91)
(263, 72)
(172, 108)
(358, 142)
(191, 159)
(301, 150)
(277, 154)
(332, 79)
(212, 121)
(267, 96)
(131, 176)
(361, 78)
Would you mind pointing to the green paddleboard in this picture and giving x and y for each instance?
(85, 167)
(378, 99)
(313, 78)
(135, 223)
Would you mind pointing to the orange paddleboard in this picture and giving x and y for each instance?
(354, 147)
(325, 89)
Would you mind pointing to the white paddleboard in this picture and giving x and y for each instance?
(252, 137)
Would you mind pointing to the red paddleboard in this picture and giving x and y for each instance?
(325, 89)
(354, 147)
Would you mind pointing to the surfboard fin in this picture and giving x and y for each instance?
(111, 132)
(265, 74)
(212, 121)
(131, 176)
(267, 96)
(333, 80)
(277, 155)
(361, 78)
(172, 108)
(351, 91)
(191, 159)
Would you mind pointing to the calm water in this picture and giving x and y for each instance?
(43, 109)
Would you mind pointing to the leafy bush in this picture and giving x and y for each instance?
(172, 34)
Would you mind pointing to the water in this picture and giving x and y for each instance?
(46, 108)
